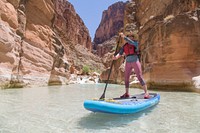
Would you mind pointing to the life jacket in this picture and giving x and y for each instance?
(129, 49)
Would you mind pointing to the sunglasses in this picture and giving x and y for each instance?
(130, 36)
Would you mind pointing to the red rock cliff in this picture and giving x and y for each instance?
(169, 37)
(39, 40)
(130, 25)
(69, 24)
(112, 21)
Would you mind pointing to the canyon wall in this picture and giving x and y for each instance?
(40, 40)
(169, 36)
(69, 24)
(112, 21)
(130, 25)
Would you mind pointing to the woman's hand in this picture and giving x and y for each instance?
(121, 34)
(114, 58)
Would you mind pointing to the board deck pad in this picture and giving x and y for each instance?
(132, 99)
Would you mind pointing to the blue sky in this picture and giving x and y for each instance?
(91, 12)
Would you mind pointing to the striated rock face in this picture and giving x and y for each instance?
(39, 40)
(111, 22)
(169, 37)
(69, 24)
(106, 47)
(130, 25)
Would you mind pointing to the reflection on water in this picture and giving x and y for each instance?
(106, 121)
(60, 110)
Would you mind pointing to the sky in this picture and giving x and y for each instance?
(91, 11)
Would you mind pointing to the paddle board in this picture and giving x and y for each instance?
(133, 104)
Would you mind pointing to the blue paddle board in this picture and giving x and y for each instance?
(133, 104)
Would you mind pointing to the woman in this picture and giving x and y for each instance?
(131, 50)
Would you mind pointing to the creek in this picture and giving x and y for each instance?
(59, 109)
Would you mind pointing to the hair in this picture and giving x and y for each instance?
(134, 35)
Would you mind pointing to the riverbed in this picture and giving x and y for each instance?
(59, 109)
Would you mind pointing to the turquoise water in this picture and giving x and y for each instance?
(60, 110)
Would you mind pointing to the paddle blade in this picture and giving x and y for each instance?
(102, 97)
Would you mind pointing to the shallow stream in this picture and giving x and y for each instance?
(59, 109)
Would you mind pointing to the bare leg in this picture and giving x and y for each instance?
(145, 90)
(127, 90)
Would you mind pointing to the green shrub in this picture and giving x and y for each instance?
(86, 69)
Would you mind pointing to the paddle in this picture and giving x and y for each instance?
(103, 95)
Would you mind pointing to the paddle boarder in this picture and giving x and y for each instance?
(131, 50)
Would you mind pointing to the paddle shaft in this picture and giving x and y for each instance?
(103, 95)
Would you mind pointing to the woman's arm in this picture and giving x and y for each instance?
(132, 42)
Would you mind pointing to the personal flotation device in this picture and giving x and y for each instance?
(129, 49)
